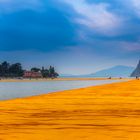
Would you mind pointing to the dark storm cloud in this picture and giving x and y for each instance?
(78, 30)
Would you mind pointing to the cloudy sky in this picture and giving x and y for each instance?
(76, 36)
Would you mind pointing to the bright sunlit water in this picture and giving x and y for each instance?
(10, 90)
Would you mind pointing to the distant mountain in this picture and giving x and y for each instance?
(117, 71)
(136, 72)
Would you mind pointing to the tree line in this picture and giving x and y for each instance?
(46, 73)
(16, 70)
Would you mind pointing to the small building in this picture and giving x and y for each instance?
(32, 74)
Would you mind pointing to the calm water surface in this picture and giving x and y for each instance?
(12, 90)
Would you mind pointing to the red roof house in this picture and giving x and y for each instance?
(32, 74)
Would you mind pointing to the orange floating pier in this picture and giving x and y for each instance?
(107, 112)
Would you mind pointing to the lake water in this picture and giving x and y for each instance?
(10, 90)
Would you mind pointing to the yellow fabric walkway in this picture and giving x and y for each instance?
(108, 112)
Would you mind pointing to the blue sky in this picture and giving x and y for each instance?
(76, 36)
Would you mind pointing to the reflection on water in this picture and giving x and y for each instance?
(11, 90)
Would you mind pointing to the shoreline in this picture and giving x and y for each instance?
(109, 111)
(60, 79)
